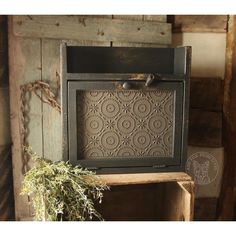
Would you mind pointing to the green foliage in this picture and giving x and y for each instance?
(61, 191)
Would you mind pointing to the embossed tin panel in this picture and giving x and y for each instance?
(110, 126)
(125, 124)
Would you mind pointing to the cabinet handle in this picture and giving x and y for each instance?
(126, 85)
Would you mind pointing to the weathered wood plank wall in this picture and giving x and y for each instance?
(34, 55)
(6, 183)
(97, 29)
(206, 95)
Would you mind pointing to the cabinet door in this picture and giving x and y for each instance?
(124, 124)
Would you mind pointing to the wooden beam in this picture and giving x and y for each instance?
(199, 23)
(206, 93)
(87, 28)
(205, 128)
(225, 209)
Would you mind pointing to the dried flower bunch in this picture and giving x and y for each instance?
(61, 191)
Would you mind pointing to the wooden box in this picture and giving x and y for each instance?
(148, 197)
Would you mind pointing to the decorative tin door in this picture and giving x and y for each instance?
(122, 122)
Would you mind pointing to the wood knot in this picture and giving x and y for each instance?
(19, 22)
(82, 21)
(100, 33)
(57, 24)
(30, 17)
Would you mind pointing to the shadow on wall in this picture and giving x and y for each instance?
(6, 185)
(6, 179)
(208, 52)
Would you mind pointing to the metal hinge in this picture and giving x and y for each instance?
(159, 166)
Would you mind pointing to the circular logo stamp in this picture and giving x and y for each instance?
(203, 167)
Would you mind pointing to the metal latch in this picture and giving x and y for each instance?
(151, 78)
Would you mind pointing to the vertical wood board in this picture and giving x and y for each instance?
(52, 137)
(25, 66)
(178, 204)
(139, 18)
(227, 197)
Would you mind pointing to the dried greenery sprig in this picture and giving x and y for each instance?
(61, 191)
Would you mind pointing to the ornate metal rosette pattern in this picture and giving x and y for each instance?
(125, 124)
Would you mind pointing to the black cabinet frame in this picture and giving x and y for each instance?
(101, 68)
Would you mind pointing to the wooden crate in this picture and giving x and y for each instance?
(155, 196)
